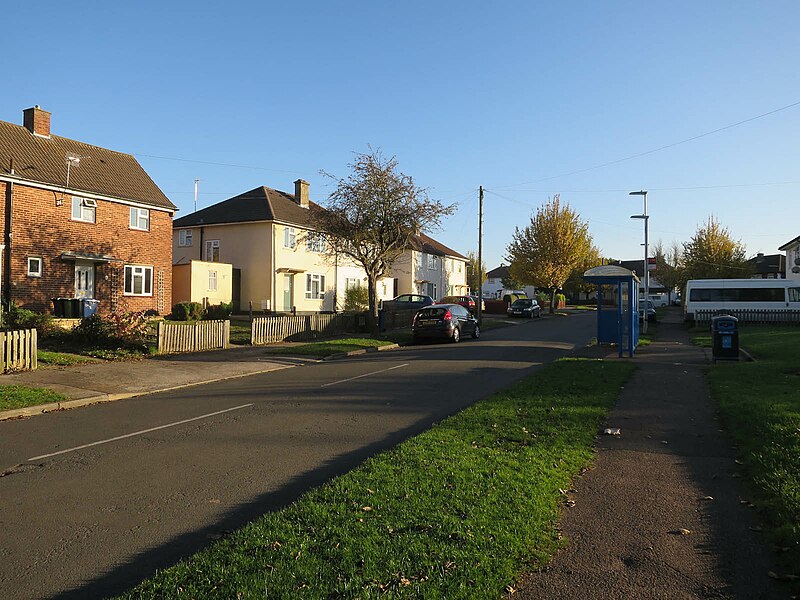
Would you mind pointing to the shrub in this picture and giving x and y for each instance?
(356, 298)
(543, 299)
(92, 330)
(187, 311)
(561, 299)
(21, 318)
(128, 326)
(219, 311)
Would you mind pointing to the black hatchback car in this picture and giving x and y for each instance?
(525, 307)
(448, 321)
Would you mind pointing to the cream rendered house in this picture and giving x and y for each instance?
(266, 234)
(792, 249)
(430, 268)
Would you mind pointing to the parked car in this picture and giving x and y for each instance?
(651, 311)
(448, 321)
(467, 302)
(483, 303)
(525, 307)
(407, 302)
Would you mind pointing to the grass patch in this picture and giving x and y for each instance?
(328, 347)
(64, 359)
(20, 396)
(456, 512)
(240, 333)
(760, 407)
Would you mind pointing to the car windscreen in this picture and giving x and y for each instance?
(522, 303)
(432, 312)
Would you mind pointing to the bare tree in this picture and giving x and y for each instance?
(547, 251)
(372, 217)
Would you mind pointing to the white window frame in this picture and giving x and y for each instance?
(289, 237)
(352, 282)
(138, 271)
(185, 237)
(212, 244)
(212, 281)
(38, 272)
(311, 278)
(315, 242)
(87, 209)
(431, 261)
(140, 218)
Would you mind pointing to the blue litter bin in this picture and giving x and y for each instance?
(725, 337)
(90, 307)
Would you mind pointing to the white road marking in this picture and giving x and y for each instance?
(127, 435)
(365, 375)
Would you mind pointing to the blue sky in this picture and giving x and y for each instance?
(511, 96)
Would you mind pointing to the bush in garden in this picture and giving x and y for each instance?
(187, 311)
(543, 299)
(356, 299)
(128, 326)
(15, 318)
(220, 311)
(92, 330)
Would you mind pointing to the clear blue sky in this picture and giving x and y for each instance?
(509, 95)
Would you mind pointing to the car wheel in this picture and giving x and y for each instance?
(477, 333)
(456, 335)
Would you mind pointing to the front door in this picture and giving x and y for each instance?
(84, 279)
(288, 291)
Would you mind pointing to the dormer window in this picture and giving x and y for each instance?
(84, 209)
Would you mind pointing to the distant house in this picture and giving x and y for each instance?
(493, 286)
(207, 283)
(429, 267)
(658, 293)
(769, 266)
(792, 249)
(80, 221)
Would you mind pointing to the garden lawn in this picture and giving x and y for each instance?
(456, 512)
(20, 396)
(760, 407)
(327, 347)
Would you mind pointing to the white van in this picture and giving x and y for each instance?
(743, 294)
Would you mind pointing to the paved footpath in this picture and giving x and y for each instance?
(671, 469)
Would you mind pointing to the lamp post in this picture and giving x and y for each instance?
(645, 272)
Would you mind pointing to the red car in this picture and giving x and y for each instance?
(467, 302)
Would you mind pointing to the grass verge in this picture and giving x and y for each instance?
(760, 407)
(63, 359)
(327, 347)
(20, 396)
(456, 512)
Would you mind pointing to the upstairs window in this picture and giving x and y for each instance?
(289, 237)
(185, 237)
(84, 209)
(431, 261)
(140, 218)
(315, 242)
(212, 250)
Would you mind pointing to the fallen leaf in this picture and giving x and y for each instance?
(681, 531)
(706, 497)
(366, 508)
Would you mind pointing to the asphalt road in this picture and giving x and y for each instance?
(100, 497)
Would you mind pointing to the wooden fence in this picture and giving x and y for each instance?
(771, 315)
(193, 337)
(297, 328)
(19, 350)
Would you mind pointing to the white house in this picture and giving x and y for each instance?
(792, 249)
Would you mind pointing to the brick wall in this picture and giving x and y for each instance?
(42, 227)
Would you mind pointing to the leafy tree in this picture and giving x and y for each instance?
(472, 274)
(576, 284)
(713, 254)
(548, 250)
(510, 283)
(372, 217)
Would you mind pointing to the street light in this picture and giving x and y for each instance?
(645, 273)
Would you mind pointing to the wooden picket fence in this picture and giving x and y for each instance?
(193, 337)
(298, 328)
(703, 317)
(19, 350)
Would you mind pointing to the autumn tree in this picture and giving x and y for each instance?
(713, 254)
(472, 274)
(576, 284)
(668, 266)
(548, 250)
(373, 215)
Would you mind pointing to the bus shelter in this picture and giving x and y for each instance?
(617, 306)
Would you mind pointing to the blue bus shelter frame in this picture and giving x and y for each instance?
(617, 323)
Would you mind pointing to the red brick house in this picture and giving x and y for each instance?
(79, 221)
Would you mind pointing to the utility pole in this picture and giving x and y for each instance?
(480, 256)
(196, 181)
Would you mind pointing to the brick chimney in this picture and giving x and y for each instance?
(37, 121)
(301, 192)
